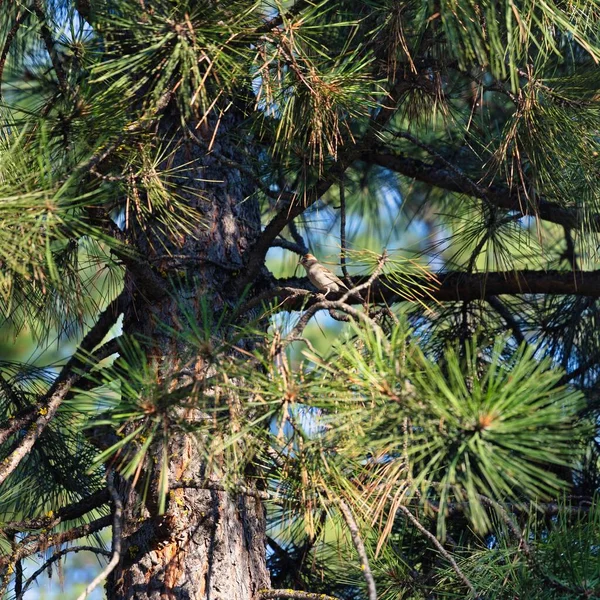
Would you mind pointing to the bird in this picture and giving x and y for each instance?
(321, 277)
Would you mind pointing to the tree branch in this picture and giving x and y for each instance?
(9, 40)
(71, 373)
(440, 548)
(53, 559)
(452, 286)
(51, 47)
(441, 176)
(507, 317)
(67, 513)
(343, 248)
(34, 543)
(255, 257)
(360, 548)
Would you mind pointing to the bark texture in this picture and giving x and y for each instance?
(210, 545)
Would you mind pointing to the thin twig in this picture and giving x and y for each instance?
(116, 539)
(277, 21)
(324, 304)
(53, 559)
(343, 231)
(509, 521)
(287, 293)
(440, 548)
(371, 279)
(340, 304)
(360, 548)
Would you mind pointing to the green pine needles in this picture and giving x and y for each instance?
(170, 382)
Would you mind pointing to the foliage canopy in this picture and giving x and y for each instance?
(439, 429)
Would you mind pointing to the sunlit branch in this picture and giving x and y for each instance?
(360, 548)
(293, 595)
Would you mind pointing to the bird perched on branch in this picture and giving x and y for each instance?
(321, 277)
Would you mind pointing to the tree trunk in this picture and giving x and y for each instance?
(209, 544)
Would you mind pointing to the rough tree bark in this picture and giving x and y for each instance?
(209, 544)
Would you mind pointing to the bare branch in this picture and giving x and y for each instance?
(287, 245)
(440, 548)
(255, 257)
(297, 237)
(67, 513)
(343, 248)
(508, 318)
(360, 548)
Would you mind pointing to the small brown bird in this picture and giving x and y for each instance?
(322, 278)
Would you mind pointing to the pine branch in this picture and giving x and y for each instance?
(51, 47)
(34, 543)
(453, 286)
(360, 548)
(287, 245)
(66, 513)
(79, 364)
(343, 245)
(297, 237)
(507, 317)
(441, 176)
(10, 36)
(255, 257)
(277, 21)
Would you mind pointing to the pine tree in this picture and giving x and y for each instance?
(439, 437)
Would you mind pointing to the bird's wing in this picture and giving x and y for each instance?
(333, 278)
